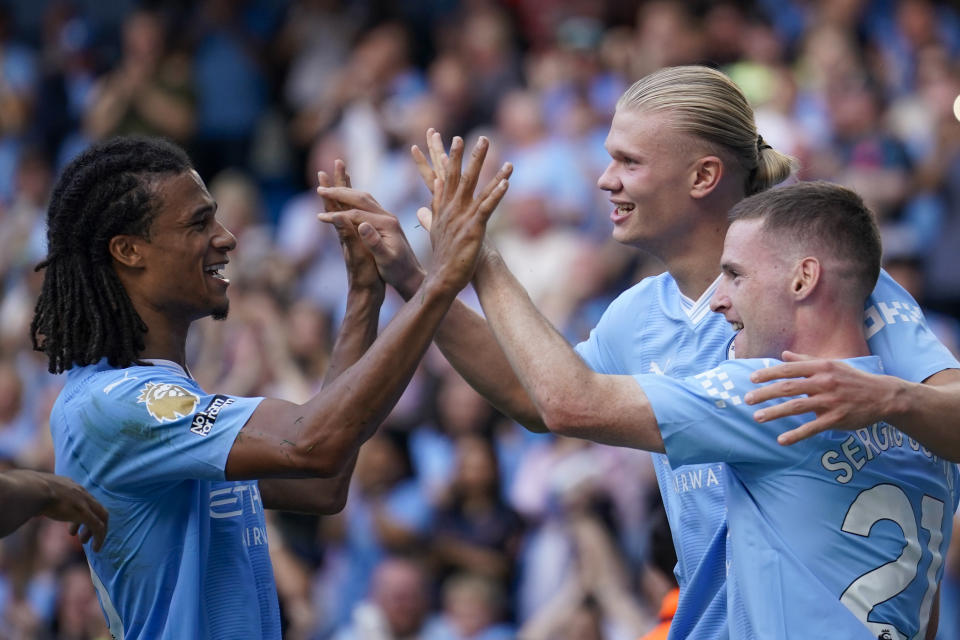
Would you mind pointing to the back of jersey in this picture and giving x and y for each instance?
(842, 535)
(863, 521)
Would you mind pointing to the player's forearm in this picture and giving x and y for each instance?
(465, 339)
(321, 496)
(357, 331)
(466, 342)
(22, 496)
(929, 412)
(320, 437)
(572, 399)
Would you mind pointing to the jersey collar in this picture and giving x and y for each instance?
(698, 309)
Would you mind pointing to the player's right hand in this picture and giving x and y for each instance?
(69, 502)
(459, 219)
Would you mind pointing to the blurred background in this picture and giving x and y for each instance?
(460, 524)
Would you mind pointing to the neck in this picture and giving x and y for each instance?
(836, 334)
(165, 339)
(695, 264)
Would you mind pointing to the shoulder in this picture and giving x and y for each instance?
(653, 291)
(163, 391)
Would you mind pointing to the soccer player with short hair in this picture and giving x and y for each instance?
(684, 150)
(135, 255)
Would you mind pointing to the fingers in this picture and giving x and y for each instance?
(803, 369)
(453, 164)
(795, 407)
(488, 204)
(340, 177)
(370, 238)
(469, 180)
(803, 432)
(790, 356)
(350, 198)
(425, 216)
(437, 199)
(784, 389)
(435, 148)
(505, 171)
(324, 181)
(426, 171)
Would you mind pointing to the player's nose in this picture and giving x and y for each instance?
(607, 180)
(720, 301)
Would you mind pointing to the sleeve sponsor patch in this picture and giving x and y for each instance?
(203, 420)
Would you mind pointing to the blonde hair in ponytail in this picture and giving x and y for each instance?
(708, 105)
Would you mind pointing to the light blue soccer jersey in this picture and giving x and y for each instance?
(186, 551)
(653, 328)
(842, 535)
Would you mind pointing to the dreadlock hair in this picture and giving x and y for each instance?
(84, 313)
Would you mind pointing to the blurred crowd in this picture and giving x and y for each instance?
(459, 524)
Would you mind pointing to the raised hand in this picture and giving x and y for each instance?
(362, 270)
(459, 219)
(378, 229)
(435, 167)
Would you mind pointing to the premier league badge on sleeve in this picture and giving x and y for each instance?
(167, 402)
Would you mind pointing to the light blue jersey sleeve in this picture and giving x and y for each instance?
(148, 427)
(897, 332)
(597, 350)
(703, 418)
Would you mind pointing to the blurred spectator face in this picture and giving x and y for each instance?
(449, 81)
(399, 589)
(647, 180)
(379, 466)
(486, 37)
(237, 201)
(462, 410)
(854, 111)
(665, 31)
(519, 118)
(477, 466)
(307, 332)
(143, 36)
(471, 604)
(33, 178)
(917, 21)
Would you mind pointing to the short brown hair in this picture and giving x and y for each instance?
(822, 215)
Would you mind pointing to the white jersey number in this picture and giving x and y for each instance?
(889, 502)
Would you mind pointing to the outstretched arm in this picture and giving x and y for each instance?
(25, 494)
(573, 399)
(320, 437)
(464, 336)
(357, 332)
(843, 397)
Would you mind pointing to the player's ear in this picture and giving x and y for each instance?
(806, 277)
(125, 249)
(707, 173)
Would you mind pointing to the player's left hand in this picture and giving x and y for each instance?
(361, 267)
(841, 396)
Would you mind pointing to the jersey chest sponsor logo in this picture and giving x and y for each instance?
(203, 420)
(167, 402)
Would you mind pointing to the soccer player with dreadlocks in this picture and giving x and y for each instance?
(135, 255)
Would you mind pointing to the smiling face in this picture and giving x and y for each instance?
(186, 252)
(649, 177)
(754, 293)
